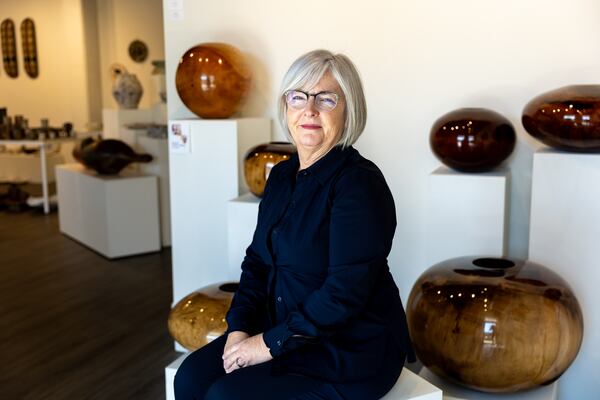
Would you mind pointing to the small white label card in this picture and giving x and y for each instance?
(180, 140)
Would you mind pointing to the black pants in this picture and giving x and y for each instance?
(201, 376)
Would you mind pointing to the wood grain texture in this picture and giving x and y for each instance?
(74, 325)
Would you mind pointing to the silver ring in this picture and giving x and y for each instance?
(237, 362)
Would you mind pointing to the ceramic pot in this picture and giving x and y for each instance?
(494, 324)
(567, 118)
(472, 139)
(259, 161)
(199, 317)
(107, 157)
(213, 80)
(127, 89)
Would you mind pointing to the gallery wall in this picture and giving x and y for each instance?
(418, 60)
(62, 91)
(120, 23)
(78, 41)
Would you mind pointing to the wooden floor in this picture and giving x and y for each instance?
(74, 325)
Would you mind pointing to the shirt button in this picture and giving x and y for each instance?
(274, 231)
(279, 299)
(279, 343)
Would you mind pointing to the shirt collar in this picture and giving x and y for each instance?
(322, 169)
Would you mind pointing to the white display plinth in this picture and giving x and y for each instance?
(202, 181)
(564, 236)
(409, 386)
(115, 215)
(159, 150)
(467, 214)
(114, 119)
(170, 372)
(242, 213)
(456, 392)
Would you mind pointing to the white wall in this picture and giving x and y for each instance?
(120, 23)
(60, 92)
(418, 60)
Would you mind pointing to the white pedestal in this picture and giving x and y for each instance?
(408, 387)
(411, 386)
(159, 167)
(455, 392)
(467, 214)
(114, 119)
(564, 236)
(115, 215)
(170, 372)
(202, 182)
(242, 214)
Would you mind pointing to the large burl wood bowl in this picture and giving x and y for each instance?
(213, 80)
(199, 317)
(494, 324)
(567, 118)
(472, 139)
(260, 159)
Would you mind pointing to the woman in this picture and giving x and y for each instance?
(317, 314)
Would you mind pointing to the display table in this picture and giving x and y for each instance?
(45, 175)
(116, 216)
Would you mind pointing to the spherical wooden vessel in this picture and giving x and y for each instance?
(493, 324)
(472, 139)
(567, 118)
(260, 160)
(213, 80)
(199, 317)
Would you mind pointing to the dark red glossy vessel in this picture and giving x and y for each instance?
(472, 139)
(567, 118)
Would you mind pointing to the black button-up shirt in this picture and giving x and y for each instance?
(315, 279)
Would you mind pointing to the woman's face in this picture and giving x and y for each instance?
(314, 130)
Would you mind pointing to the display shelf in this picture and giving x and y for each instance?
(564, 233)
(466, 214)
(456, 392)
(114, 119)
(116, 216)
(242, 213)
(202, 181)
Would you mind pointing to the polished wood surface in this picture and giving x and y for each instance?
(567, 118)
(213, 80)
(74, 325)
(472, 139)
(493, 324)
(199, 317)
(259, 161)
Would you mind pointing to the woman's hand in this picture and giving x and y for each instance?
(235, 338)
(250, 351)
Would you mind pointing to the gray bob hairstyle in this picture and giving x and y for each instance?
(306, 72)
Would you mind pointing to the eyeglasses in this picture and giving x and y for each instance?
(324, 101)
